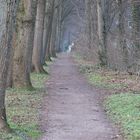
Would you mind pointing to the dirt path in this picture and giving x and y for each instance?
(72, 109)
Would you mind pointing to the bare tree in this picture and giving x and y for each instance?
(23, 43)
(7, 28)
(38, 39)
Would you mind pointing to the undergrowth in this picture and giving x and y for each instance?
(23, 110)
(96, 76)
(123, 101)
(125, 110)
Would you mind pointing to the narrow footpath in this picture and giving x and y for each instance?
(71, 108)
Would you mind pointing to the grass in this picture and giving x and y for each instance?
(101, 81)
(125, 109)
(23, 110)
(95, 77)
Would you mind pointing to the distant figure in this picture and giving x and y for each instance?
(70, 48)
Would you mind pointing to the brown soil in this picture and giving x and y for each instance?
(72, 109)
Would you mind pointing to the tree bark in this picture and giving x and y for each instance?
(122, 40)
(102, 34)
(53, 35)
(38, 39)
(8, 20)
(136, 29)
(89, 22)
(48, 41)
(23, 47)
(47, 31)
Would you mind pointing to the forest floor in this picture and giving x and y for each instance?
(119, 93)
(72, 108)
(23, 110)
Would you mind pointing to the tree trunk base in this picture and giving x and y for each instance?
(39, 69)
(45, 64)
(23, 85)
(4, 127)
(54, 54)
(48, 58)
(42, 70)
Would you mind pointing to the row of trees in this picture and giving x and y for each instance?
(113, 33)
(31, 33)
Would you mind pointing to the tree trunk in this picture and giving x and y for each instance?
(8, 20)
(89, 23)
(102, 34)
(38, 39)
(53, 35)
(136, 29)
(23, 47)
(59, 29)
(48, 41)
(10, 71)
(122, 40)
(47, 31)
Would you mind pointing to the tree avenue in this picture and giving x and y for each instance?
(32, 32)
